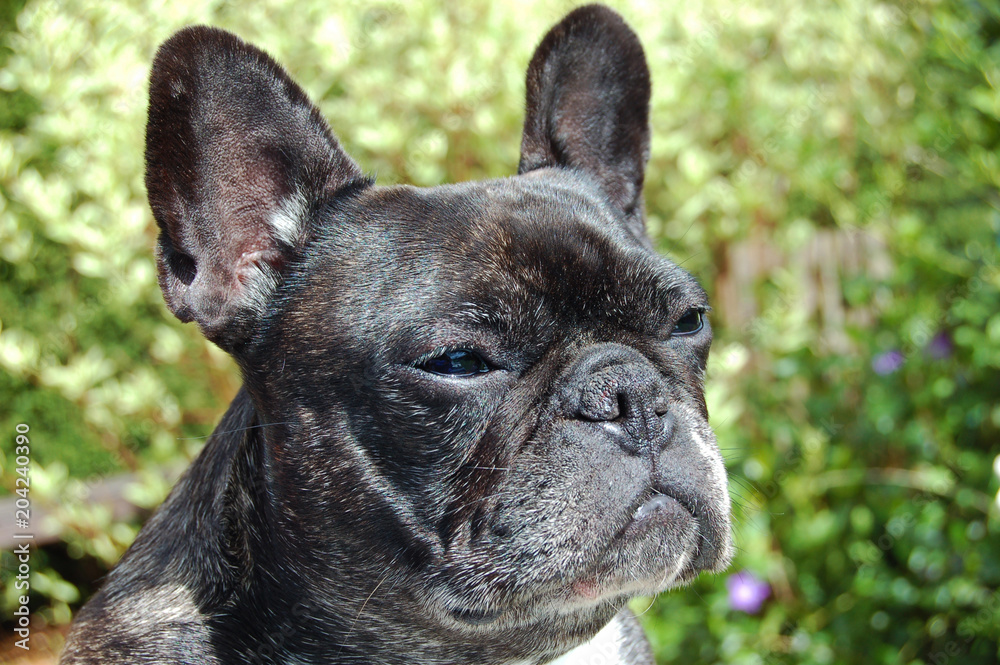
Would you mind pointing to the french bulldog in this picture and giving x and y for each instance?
(472, 424)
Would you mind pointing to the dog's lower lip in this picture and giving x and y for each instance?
(659, 503)
(653, 504)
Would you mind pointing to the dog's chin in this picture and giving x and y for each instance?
(654, 551)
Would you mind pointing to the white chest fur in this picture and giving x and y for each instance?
(605, 648)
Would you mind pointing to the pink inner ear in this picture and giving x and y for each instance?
(259, 214)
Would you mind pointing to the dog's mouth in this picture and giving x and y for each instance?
(652, 507)
(656, 547)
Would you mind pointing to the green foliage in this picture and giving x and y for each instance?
(846, 152)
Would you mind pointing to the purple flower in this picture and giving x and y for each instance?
(888, 362)
(746, 592)
(940, 347)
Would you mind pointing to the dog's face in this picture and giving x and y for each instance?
(482, 403)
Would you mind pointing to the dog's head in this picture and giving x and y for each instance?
(482, 404)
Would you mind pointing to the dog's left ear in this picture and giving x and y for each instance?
(588, 106)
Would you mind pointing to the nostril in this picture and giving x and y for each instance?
(624, 408)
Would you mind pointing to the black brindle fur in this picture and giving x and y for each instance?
(472, 423)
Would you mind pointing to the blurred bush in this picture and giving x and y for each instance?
(829, 170)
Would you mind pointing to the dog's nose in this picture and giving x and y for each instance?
(618, 389)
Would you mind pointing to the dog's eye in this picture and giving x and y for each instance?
(689, 324)
(456, 363)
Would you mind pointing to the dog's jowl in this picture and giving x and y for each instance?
(472, 423)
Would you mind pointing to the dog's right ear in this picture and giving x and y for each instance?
(588, 107)
(237, 162)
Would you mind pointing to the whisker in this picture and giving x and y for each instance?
(365, 604)
(232, 431)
